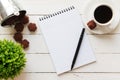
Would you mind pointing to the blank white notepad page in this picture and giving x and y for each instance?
(61, 31)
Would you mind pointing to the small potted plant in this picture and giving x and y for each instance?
(12, 59)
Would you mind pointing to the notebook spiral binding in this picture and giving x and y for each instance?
(57, 13)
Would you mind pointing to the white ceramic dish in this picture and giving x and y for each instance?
(88, 15)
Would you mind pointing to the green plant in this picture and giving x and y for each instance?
(12, 59)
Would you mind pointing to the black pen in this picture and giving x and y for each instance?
(78, 47)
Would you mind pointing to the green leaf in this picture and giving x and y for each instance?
(12, 59)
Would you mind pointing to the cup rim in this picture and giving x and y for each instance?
(107, 23)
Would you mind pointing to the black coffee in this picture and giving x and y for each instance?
(103, 14)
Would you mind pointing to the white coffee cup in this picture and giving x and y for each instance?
(103, 15)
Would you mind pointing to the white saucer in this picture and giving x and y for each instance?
(88, 15)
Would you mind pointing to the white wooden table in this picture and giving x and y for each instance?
(39, 65)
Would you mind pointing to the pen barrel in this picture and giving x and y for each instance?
(9, 8)
(78, 47)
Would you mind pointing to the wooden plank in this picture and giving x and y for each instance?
(69, 76)
(43, 6)
(99, 43)
(39, 6)
(105, 43)
(43, 63)
(37, 44)
(49, 6)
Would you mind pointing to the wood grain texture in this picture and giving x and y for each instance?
(43, 63)
(39, 64)
(99, 43)
(43, 7)
(105, 43)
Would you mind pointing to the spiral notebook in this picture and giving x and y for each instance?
(61, 31)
